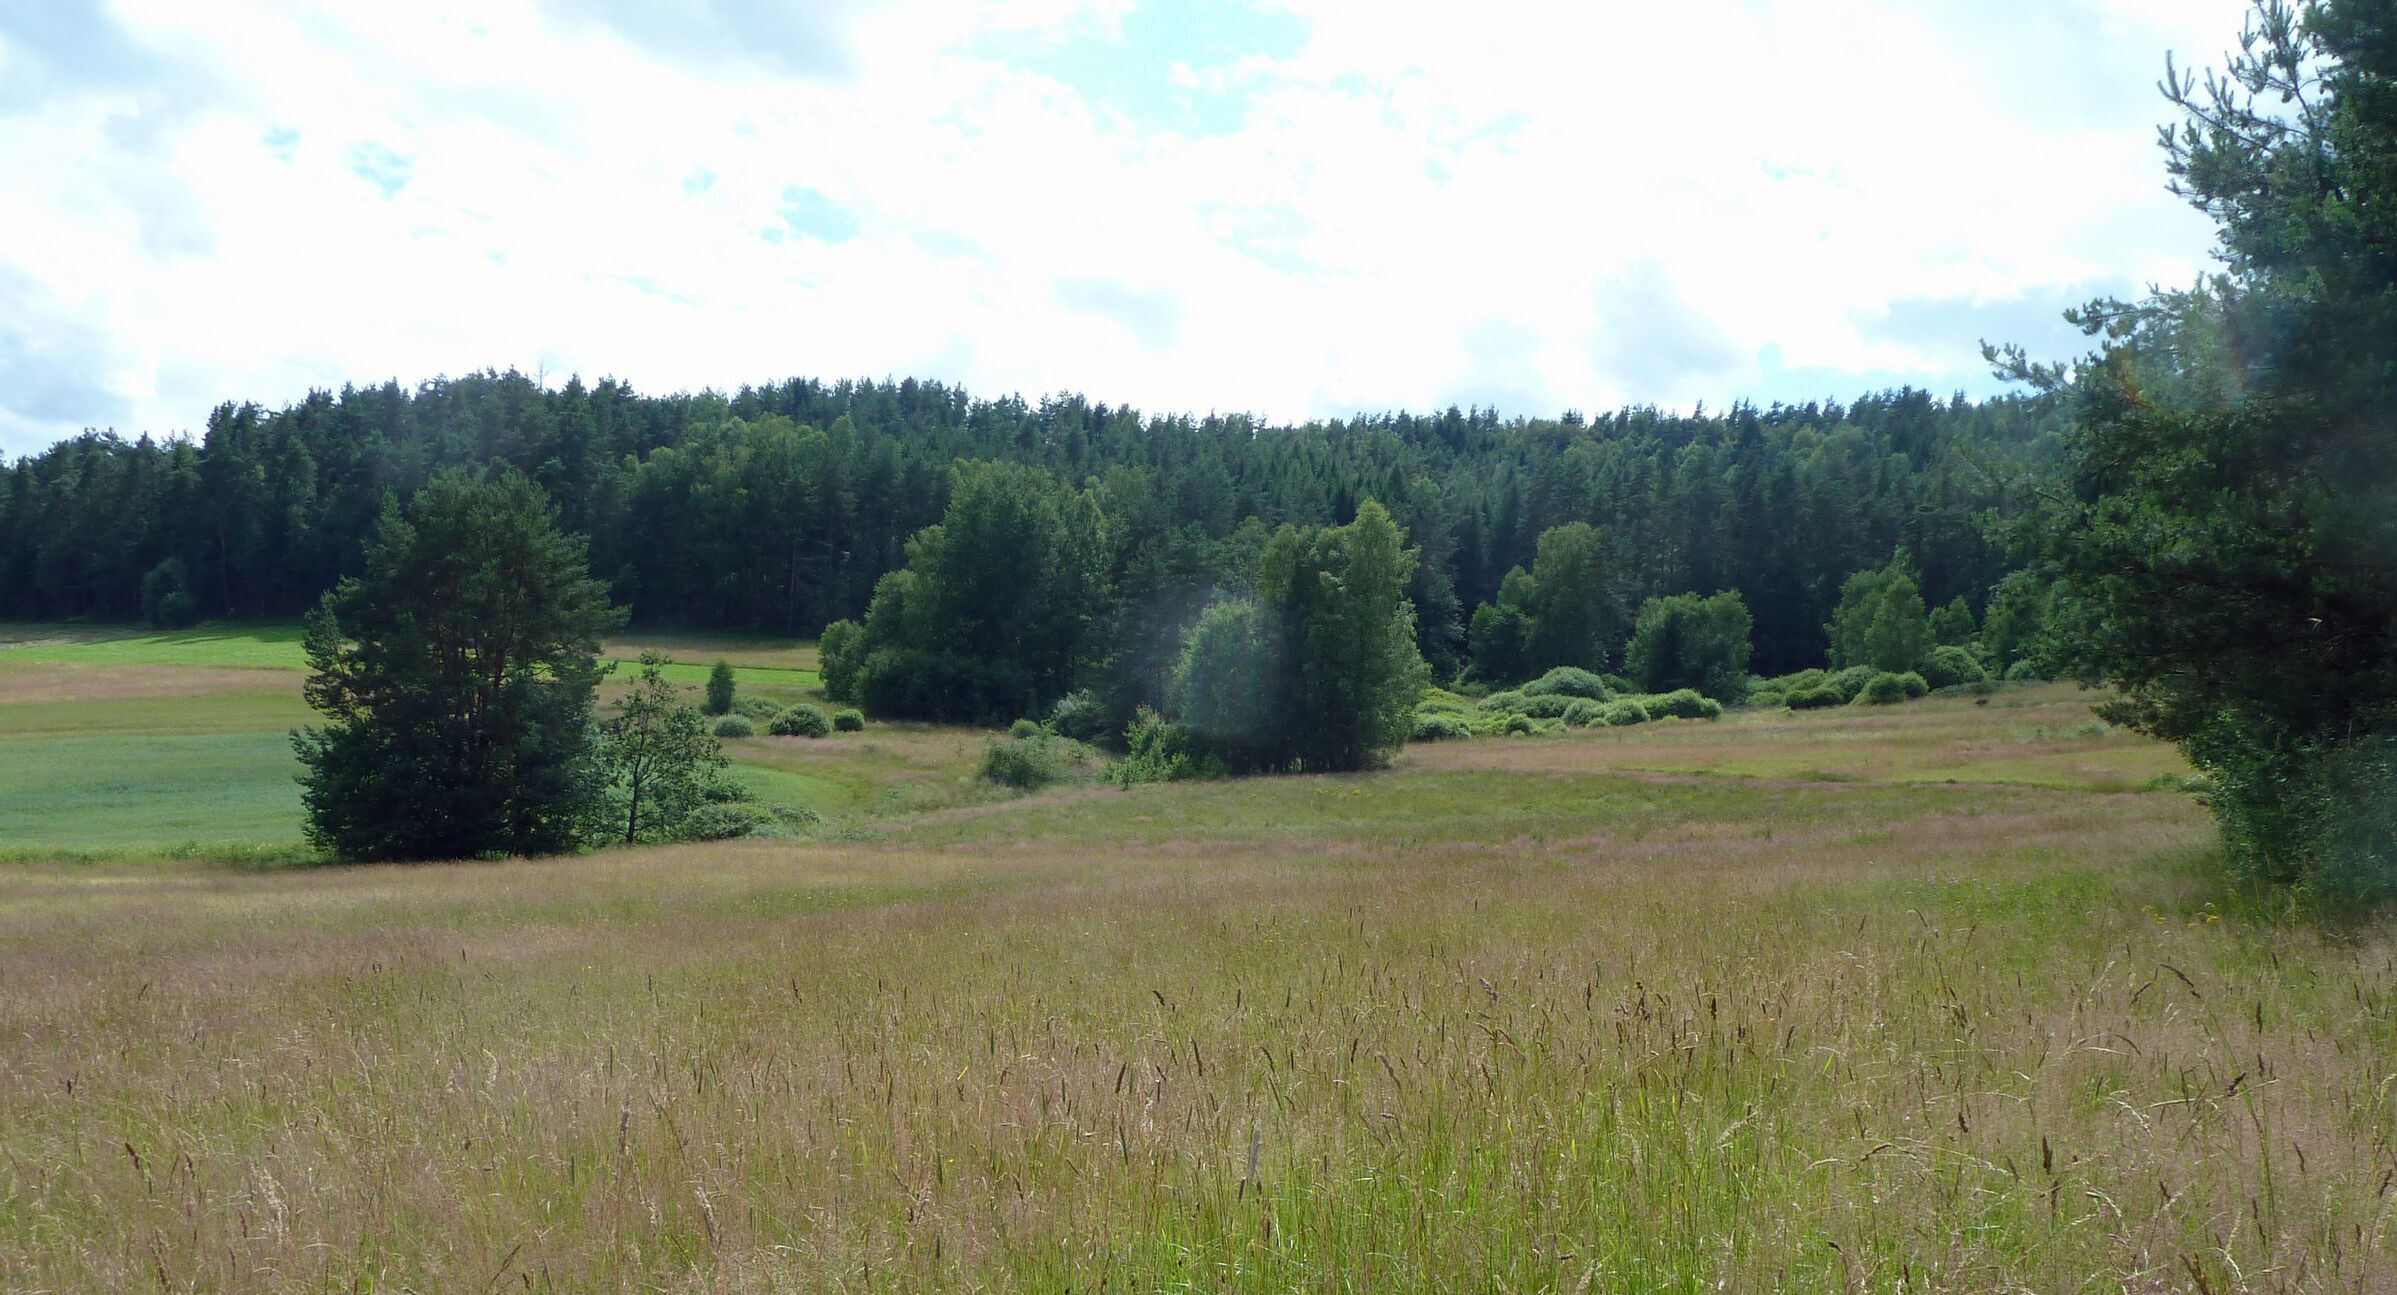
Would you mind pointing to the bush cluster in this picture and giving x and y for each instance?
(1568, 681)
(735, 726)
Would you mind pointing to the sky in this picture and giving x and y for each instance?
(1294, 210)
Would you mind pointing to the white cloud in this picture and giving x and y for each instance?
(1420, 203)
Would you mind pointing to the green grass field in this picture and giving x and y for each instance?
(1937, 997)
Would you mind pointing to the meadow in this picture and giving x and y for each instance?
(1935, 997)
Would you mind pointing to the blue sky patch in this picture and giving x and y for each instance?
(382, 166)
(808, 213)
(1132, 71)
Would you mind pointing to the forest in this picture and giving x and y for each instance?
(781, 507)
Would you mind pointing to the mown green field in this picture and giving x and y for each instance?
(1939, 997)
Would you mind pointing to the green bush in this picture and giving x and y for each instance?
(1022, 763)
(726, 821)
(1158, 750)
(1439, 726)
(1083, 717)
(1584, 712)
(735, 726)
(1624, 713)
(841, 652)
(1953, 667)
(1024, 730)
(1518, 726)
(1442, 701)
(848, 720)
(1683, 703)
(1815, 698)
(1914, 684)
(760, 710)
(1568, 681)
(1849, 682)
(2024, 671)
(1883, 689)
(1510, 702)
(803, 720)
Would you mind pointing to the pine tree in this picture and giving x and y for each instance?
(456, 679)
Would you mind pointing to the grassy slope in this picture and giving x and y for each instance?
(1593, 1013)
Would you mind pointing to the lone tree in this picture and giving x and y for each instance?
(2221, 534)
(455, 679)
(661, 761)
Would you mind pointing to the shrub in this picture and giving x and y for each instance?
(735, 726)
(1624, 713)
(1683, 703)
(1914, 684)
(1505, 703)
(1158, 750)
(1518, 726)
(841, 651)
(1952, 667)
(848, 719)
(1026, 764)
(1442, 701)
(1849, 682)
(1815, 698)
(2024, 672)
(719, 689)
(1882, 690)
(1082, 717)
(726, 821)
(1439, 726)
(1568, 681)
(1582, 712)
(760, 710)
(1024, 730)
(803, 720)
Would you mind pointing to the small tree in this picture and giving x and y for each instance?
(1880, 621)
(719, 687)
(1686, 641)
(1574, 612)
(1500, 636)
(456, 679)
(661, 761)
(1953, 625)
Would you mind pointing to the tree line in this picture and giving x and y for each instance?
(781, 508)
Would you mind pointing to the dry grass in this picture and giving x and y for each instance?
(1502, 1019)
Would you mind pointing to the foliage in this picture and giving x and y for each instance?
(848, 719)
(735, 725)
(1029, 763)
(1083, 716)
(1582, 712)
(1880, 621)
(1569, 681)
(1625, 712)
(727, 821)
(1682, 703)
(805, 719)
(2017, 620)
(1952, 623)
(998, 609)
(1026, 729)
(455, 678)
(167, 601)
(1950, 667)
(1884, 689)
(2220, 531)
(1158, 750)
(1573, 600)
(658, 757)
(1500, 635)
(1814, 698)
(1437, 726)
(720, 689)
(1686, 641)
(841, 650)
(1230, 687)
